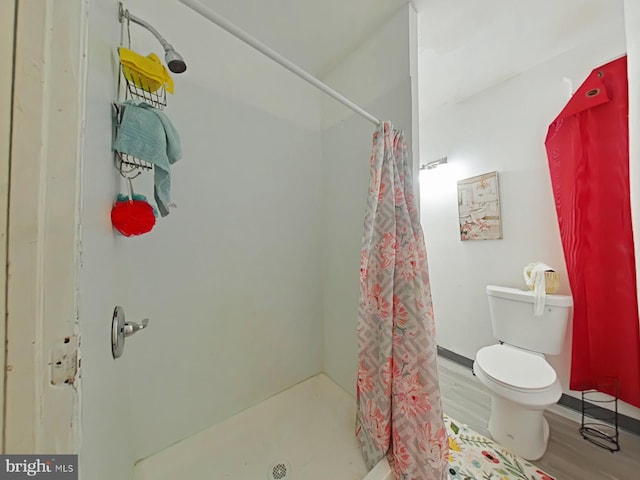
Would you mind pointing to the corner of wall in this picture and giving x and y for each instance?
(378, 65)
(378, 77)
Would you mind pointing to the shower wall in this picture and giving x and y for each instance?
(229, 279)
(106, 448)
(377, 76)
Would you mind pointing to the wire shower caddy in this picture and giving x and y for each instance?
(136, 87)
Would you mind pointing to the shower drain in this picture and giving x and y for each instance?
(281, 470)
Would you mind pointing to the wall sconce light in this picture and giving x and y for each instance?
(434, 164)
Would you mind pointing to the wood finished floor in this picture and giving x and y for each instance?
(568, 457)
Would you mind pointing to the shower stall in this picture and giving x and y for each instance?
(247, 368)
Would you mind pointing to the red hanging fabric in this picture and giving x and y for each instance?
(588, 152)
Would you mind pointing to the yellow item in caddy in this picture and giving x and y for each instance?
(147, 72)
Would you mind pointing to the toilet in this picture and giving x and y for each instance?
(515, 372)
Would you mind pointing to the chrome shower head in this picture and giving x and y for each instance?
(174, 60)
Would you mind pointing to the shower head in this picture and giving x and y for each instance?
(174, 60)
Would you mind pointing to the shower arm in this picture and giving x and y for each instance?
(125, 14)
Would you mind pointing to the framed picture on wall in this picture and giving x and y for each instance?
(479, 208)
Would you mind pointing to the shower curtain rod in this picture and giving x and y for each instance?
(269, 52)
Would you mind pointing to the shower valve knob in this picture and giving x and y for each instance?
(120, 329)
(130, 328)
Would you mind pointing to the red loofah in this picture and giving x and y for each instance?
(132, 218)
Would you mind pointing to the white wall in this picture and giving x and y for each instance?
(502, 128)
(377, 77)
(632, 24)
(106, 447)
(228, 279)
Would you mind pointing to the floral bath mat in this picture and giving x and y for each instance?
(474, 457)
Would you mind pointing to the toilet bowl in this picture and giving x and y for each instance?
(515, 372)
(522, 385)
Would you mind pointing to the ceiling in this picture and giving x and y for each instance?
(465, 46)
(315, 34)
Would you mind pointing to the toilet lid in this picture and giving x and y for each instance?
(516, 368)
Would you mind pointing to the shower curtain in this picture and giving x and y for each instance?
(399, 408)
(588, 153)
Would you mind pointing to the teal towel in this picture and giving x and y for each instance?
(147, 133)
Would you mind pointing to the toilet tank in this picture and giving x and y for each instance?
(514, 323)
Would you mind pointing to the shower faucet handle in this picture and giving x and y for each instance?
(121, 329)
(129, 328)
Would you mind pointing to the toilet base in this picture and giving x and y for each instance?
(523, 431)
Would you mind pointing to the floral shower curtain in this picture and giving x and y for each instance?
(399, 407)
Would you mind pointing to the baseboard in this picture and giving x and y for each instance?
(454, 357)
(625, 422)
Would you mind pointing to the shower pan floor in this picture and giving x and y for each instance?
(310, 426)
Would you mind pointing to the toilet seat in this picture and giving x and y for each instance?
(516, 369)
